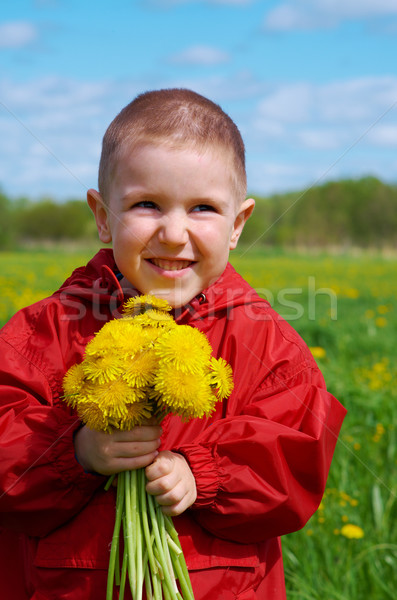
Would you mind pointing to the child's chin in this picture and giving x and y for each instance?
(175, 298)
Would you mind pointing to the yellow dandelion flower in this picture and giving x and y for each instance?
(352, 532)
(124, 335)
(73, 380)
(102, 369)
(221, 377)
(344, 496)
(99, 344)
(92, 416)
(184, 348)
(156, 319)
(369, 314)
(135, 340)
(380, 322)
(141, 370)
(352, 293)
(141, 304)
(112, 397)
(137, 413)
(318, 352)
(183, 394)
(383, 309)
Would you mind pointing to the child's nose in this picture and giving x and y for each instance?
(173, 230)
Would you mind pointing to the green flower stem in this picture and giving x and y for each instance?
(157, 587)
(145, 522)
(109, 482)
(115, 538)
(172, 546)
(170, 556)
(157, 537)
(153, 555)
(123, 575)
(170, 527)
(129, 532)
(136, 525)
(148, 583)
(185, 588)
(165, 546)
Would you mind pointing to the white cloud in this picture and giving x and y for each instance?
(384, 136)
(314, 14)
(361, 100)
(200, 55)
(52, 128)
(289, 103)
(17, 34)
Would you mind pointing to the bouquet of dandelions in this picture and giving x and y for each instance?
(137, 367)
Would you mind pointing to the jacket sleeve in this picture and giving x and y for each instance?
(41, 483)
(261, 470)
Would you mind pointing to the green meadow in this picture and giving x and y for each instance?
(344, 306)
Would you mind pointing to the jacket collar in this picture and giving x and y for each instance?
(98, 281)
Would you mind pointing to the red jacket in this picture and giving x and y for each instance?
(260, 462)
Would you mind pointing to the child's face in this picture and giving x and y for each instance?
(172, 216)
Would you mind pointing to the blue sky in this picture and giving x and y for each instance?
(312, 84)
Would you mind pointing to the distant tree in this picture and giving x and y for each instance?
(6, 223)
(48, 220)
(339, 213)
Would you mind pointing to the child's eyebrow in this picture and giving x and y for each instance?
(138, 194)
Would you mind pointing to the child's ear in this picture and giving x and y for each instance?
(98, 207)
(244, 213)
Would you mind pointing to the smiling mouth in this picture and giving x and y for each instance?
(171, 265)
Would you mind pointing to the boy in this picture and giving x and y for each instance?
(172, 201)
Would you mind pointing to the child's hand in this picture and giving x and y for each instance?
(108, 453)
(172, 482)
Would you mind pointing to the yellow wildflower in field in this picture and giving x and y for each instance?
(383, 309)
(352, 293)
(352, 532)
(380, 322)
(318, 352)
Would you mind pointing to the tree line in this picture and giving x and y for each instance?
(342, 213)
(361, 213)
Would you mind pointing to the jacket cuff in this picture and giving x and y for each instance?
(205, 472)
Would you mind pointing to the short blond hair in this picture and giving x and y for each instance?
(175, 117)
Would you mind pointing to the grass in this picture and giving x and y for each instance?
(344, 307)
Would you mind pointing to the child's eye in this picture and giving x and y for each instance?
(144, 204)
(203, 208)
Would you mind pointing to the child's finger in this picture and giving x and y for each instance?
(141, 434)
(161, 466)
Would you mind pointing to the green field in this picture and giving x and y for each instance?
(344, 307)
